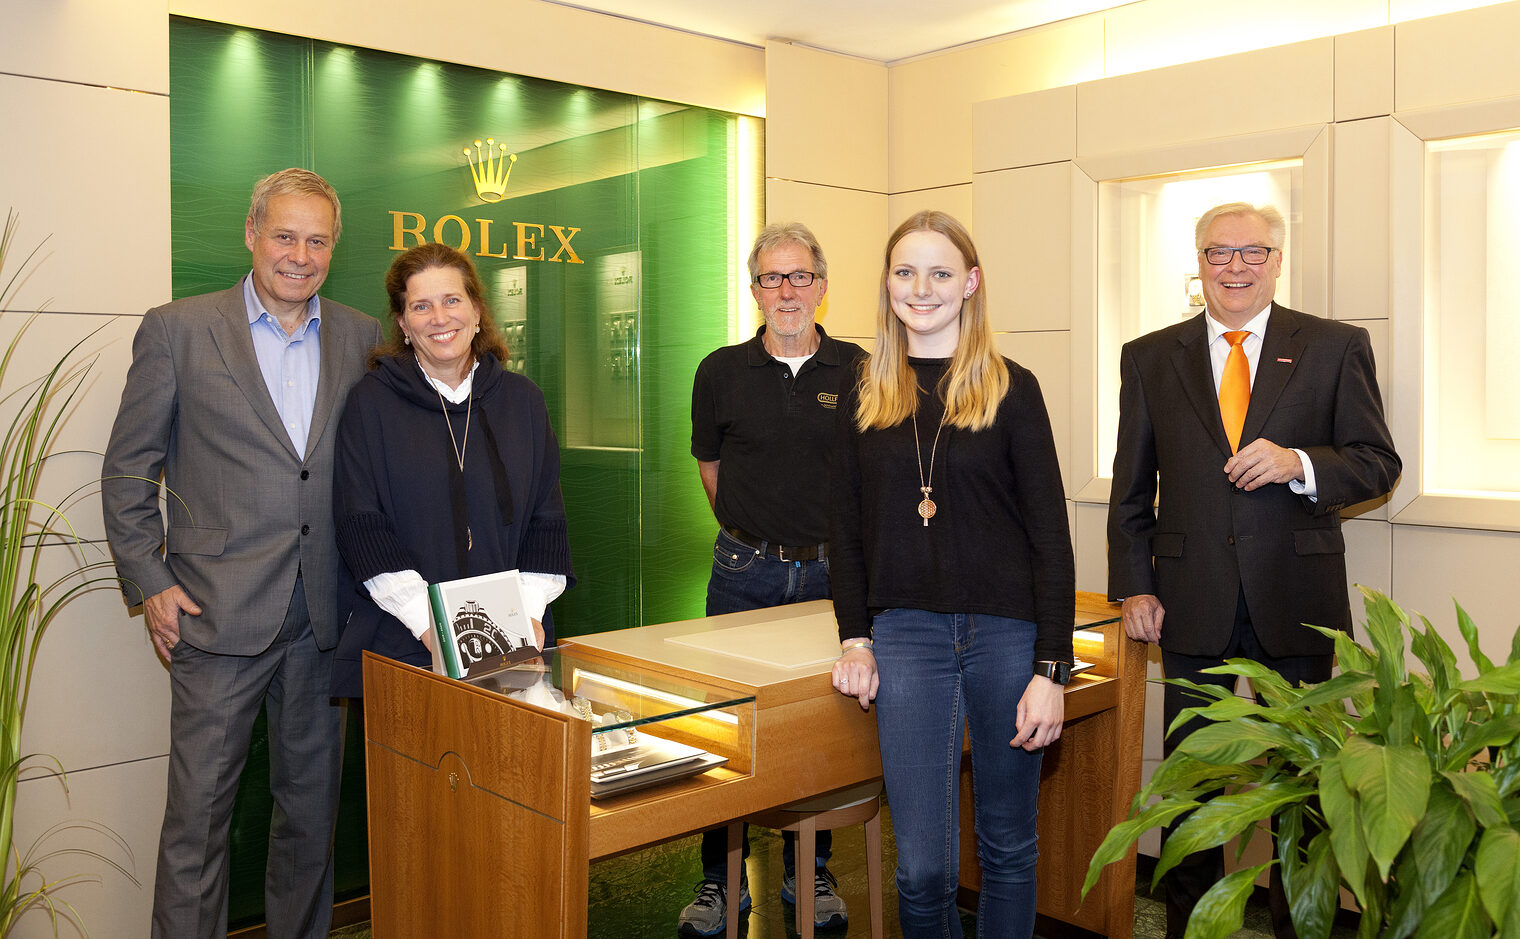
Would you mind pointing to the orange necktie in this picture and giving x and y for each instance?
(1235, 388)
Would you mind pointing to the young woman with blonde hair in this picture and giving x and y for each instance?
(953, 578)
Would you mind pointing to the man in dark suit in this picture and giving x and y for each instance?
(1262, 423)
(232, 399)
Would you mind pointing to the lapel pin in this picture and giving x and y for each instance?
(1285, 361)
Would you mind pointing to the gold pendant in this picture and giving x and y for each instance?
(926, 510)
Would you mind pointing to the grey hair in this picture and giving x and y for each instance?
(787, 233)
(1277, 229)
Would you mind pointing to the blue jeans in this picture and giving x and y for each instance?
(940, 671)
(746, 579)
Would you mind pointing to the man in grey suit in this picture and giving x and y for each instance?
(233, 400)
(1262, 424)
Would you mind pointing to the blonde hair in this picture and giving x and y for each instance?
(977, 379)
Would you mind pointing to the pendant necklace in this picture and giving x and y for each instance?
(459, 450)
(927, 507)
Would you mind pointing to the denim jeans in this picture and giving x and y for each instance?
(746, 579)
(939, 672)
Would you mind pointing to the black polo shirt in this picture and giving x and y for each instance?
(774, 433)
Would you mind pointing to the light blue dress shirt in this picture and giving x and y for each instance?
(291, 363)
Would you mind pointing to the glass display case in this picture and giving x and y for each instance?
(646, 727)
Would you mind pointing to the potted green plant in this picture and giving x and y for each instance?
(1399, 785)
(29, 605)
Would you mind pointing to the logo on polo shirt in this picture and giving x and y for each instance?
(827, 400)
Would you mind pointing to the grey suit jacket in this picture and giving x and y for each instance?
(245, 511)
(1205, 541)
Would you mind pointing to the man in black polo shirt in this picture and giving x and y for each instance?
(762, 430)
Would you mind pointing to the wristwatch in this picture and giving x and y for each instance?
(1058, 672)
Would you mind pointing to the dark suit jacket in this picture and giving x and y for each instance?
(1315, 389)
(246, 512)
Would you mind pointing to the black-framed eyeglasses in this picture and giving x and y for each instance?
(771, 280)
(1219, 255)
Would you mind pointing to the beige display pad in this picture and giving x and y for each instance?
(784, 644)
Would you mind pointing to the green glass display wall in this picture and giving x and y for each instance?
(608, 230)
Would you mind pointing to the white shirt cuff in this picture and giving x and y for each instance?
(1307, 487)
(404, 595)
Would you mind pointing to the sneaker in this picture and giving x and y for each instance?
(707, 915)
(828, 906)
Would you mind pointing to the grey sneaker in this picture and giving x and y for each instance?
(828, 906)
(707, 915)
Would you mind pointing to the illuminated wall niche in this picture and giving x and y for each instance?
(1472, 316)
(1456, 184)
(1148, 266)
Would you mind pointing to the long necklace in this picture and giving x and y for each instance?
(926, 508)
(458, 449)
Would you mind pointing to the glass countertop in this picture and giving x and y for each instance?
(611, 697)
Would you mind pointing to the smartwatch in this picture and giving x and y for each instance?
(1058, 672)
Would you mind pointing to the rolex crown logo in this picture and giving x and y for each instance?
(490, 167)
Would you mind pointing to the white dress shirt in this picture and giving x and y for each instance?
(1219, 352)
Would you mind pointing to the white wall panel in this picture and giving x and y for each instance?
(1158, 33)
(1364, 74)
(128, 799)
(1434, 566)
(1168, 106)
(96, 669)
(121, 43)
(1048, 355)
(1361, 235)
(827, 119)
(956, 200)
(1090, 534)
(1025, 244)
(930, 138)
(1039, 127)
(851, 227)
(90, 168)
(1460, 57)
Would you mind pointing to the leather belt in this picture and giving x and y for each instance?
(807, 552)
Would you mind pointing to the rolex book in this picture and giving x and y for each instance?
(479, 624)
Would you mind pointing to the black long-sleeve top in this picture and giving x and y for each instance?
(998, 543)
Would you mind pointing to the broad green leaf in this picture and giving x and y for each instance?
(1475, 738)
(1457, 914)
(1266, 682)
(1440, 843)
(1119, 838)
(1481, 794)
(1180, 773)
(1469, 631)
(1408, 722)
(1314, 890)
(1343, 819)
(1385, 627)
(1408, 908)
(1233, 742)
(1219, 820)
(1225, 709)
(1350, 655)
(1498, 875)
(1344, 685)
(1221, 910)
(1432, 650)
(1392, 784)
(1503, 680)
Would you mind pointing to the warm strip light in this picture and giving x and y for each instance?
(680, 701)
